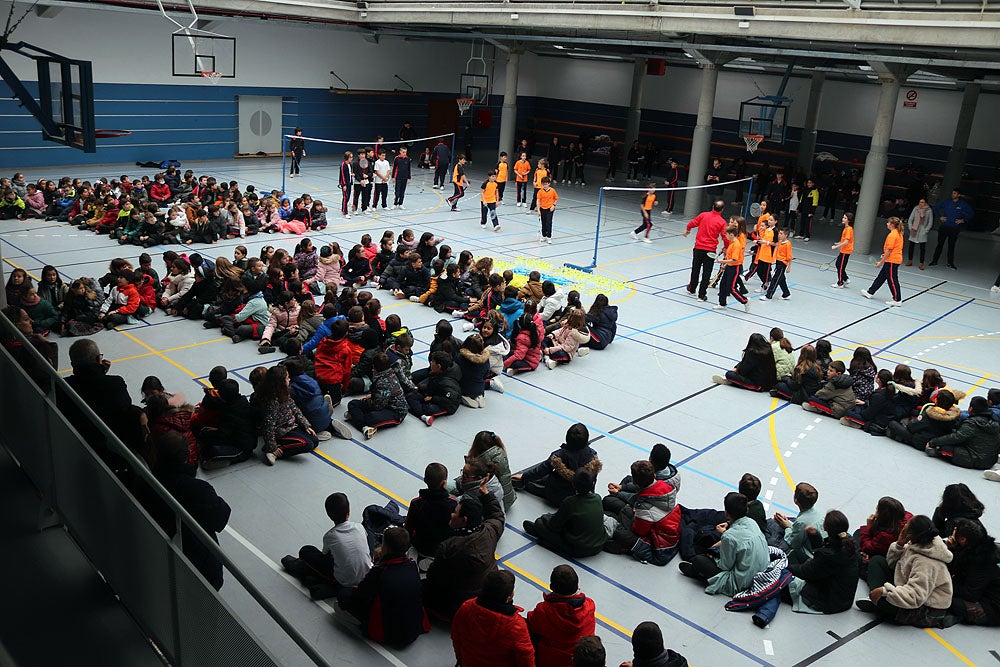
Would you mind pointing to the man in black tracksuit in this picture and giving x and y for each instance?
(442, 160)
(401, 176)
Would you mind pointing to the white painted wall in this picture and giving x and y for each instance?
(847, 107)
(134, 47)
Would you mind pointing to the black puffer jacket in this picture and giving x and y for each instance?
(976, 442)
(831, 575)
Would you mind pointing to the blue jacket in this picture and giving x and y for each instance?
(323, 331)
(952, 211)
(511, 309)
(306, 394)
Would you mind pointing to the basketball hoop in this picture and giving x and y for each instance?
(213, 77)
(463, 104)
(111, 134)
(753, 141)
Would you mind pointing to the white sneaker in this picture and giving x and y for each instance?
(550, 363)
(583, 351)
(401, 207)
(369, 432)
(347, 216)
(718, 307)
(497, 228)
(787, 298)
(470, 401)
(995, 289)
(892, 303)
(496, 385)
(847, 282)
(746, 307)
(548, 239)
(837, 286)
(427, 419)
(329, 403)
(992, 475)
(763, 298)
(340, 429)
(323, 436)
(482, 225)
(635, 237)
(481, 400)
(270, 458)
(759, 289)
(458, 313)
(718, 379)
(468, 326)
(865, 294)
(647, 240)
(415, 299)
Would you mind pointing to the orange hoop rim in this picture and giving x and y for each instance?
(753, 141)
(111, 134)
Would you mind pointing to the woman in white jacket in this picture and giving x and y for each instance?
(179, 282)
(911, 585)
(921, 219)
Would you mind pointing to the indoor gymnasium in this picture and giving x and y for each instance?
(829, 167)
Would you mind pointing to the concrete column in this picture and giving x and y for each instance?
(508, 115)
(866, 218)
(634, 109)
(956, 156)
(807, 145)
(701, 140)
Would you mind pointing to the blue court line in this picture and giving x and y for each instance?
(919, 329)
(734, 433)
(519, 378)
(666, 324)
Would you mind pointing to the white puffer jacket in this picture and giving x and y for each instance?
(922, 578)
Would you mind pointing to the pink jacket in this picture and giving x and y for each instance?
(281, 319)
(524, 352)
(36, 202)
(569, 339)
(328, 270)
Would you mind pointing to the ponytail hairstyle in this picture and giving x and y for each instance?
(836, 525)
(884, 378)
(483, 441)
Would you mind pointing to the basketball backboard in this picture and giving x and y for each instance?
(764, 116)
(475, 86)
(194, 53)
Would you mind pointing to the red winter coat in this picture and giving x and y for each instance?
(486, 638)
(877, 544)
(159, 192)
(334, 359)
(556, 624)
(524, 352)
(179, 421)
(147, 292)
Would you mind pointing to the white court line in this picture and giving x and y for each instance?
(769, 494)
(774, 480)
(322, 604)
(768, 647)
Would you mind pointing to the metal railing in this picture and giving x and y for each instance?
(176, 608)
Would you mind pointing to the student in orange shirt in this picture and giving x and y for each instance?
(460, 181)
(547, 198)
(488, 201)
(759, 227)
(502, 172)
(765, 253)
(648, 202)
(782, 262)
(733, 263)
(846, 246)
(521, 170)
(892, 257)
(541, 173)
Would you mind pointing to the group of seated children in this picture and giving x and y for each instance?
(169, 208)
(921, 413)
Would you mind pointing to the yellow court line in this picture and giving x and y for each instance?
(173, 363)
(954, 651)
(37, 279)
(626, 281)
(153, 354)
(359, 476)
(777, 450)
(978, 384)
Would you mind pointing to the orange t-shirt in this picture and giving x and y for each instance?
(539, 175)
(893, 248)
(501, 172)
(783, 252)
(847, 238)
(765, 253)
(761, 224)
(458, 175)
(490, 193)
(648, 201)
(521, 170)
(547, 198)
(734, 252)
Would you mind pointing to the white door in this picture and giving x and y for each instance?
(260, 124)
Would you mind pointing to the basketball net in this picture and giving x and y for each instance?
(753, 141)
(213, 77)
(463, 104)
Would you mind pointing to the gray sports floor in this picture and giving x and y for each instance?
(652, 385)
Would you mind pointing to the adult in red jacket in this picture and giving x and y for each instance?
(711, 227)
(488, 631)
(559, 621)
(160, 191)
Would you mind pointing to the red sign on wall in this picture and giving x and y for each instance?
(911, 99)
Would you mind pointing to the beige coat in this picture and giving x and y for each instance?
(921, 578)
